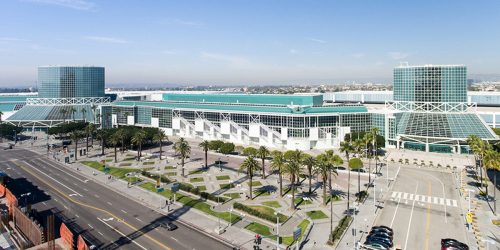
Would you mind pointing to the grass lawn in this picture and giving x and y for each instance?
(222, 177)
(196, 171)
(288, 240)
(129, 158)
(202, 188)
(260, 229)
(109, 160)
(316, 215)
(125, 164)
(196, 179)
(258, 193)
(274, 204)
(169, 167)
(194, 203)
(300, 201)
(226, 186)
(117, 172)
(333, 198)
(255, 183)
(233, 195)
(148, 163)
(270, 211)
(172, 174)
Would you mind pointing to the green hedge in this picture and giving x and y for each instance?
(255, 212)
(339, 229)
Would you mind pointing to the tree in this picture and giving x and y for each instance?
(158, 138)
(367, 139)
(356, 163)
(75, 136)
(73, 111)
(101, 136)
(293, 168)
(1, 114)
(89, 131)
(205, 146)
(215, 145)
(375, 133)
(121, 134)
(294, 155)
(336, 161)
(263, 153)
(84, 111)
(346, 148)
(138, 139)
(226, 148)
(278, 164)
(63, 112)
(323, 168)
(93, 108)
(250, 151)
(115, 140)
(183, 149)
(310, 163)
(250, 165)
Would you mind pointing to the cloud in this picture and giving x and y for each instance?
(72, 4)
(358, 55)
(231, 59)
(12, 39)
(293, 51)
(105, 39)
(316, 40)
(398, 55)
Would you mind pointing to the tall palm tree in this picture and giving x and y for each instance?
(63, 112)
(358, 149)
(367, 139)
(278, 164)
(310, 162)
(374, 133)
(330, 154)
(138, 139)
(263, 153)
(121, 134)
(250, 165)
(73, 111)
(84, 111)
(293, 168)
(158, 138)
(205, 146)
(97, 119)
(294, 155)
(93, 108)
(346, 148)
(323, 168)
(182, 148)
(75, 136)
(89, 131)
(336, 161)
(102, 135)
(115, 139)
(478, 148)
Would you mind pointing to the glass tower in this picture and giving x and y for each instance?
(70, 82)
(430, 83)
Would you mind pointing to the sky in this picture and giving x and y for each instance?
(200, 42)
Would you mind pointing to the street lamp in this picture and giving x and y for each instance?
(277, 229)
(230, 213)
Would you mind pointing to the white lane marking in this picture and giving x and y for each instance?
(86, 190)
(394, 194)
(54, 179)
(122, 234)
(44, 203)
(409, 223)
(124, 211)
(448, 202)
(109, 203)
(455, 203)
(65, 172)
(72, 195)
(399, 195)
(77, 216)
(422, 199)
(97, 196)
(108, 219)
(100, 233)
(417, 197)
(138, 219)
(436, 200)
(405, 196)
(395, 212)
(441, 201)
(429, 199)
(174, 238)
(411, 197)
(90, 226)
(66, 207)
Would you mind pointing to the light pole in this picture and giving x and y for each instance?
(230, 213)
(277, 229)
(374, 201)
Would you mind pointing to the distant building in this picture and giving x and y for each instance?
(70, 82)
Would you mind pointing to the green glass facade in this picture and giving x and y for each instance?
(70, 82)
(430, 83)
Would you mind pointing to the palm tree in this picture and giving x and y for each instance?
(182, 148)
(84, 111)
(115, 140)
(75, 136)
(293, 168)
(63, 112)
(250, 165)
(98, 119)
(310, 163)
(367, 138)
(478, 148)
(330, 154)
(346, 148)
(263, 152)
(1, 114)
(358, 148)
(278, 164)
(121, 134)
(205, 146)
(294, 155)
(73, 111)
(323, 169)
(356, 163)
(138, 139)
(158, 138)
(336, 161)
(93, 108)
(89, 131)
(375, 132)
(101, 135)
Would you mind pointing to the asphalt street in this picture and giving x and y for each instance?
(107, 219)
(423, 207)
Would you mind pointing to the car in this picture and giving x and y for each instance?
(381, 230)
(376, 246)
(383, 227)
(380, 240)
(340, 168)
(358, 170)
(453, 244)
(380, 235)
(169, 226)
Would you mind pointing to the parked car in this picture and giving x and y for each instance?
(379, 239)
(381, 230)
(169, 226)
(375, 246)
(384, 227)
(451, 244)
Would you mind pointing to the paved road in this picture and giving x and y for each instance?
(111, 220)
(423, 207)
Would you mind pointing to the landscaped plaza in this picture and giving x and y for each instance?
(220, 191)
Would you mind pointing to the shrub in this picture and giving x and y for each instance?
(339, 229)
(361, 196)
(257, 213)
(250, 151)
(239, 149)
(194, 190)
(355, 163)
(226, 148)
(215, 145)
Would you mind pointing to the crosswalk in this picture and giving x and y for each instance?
(402, 196)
